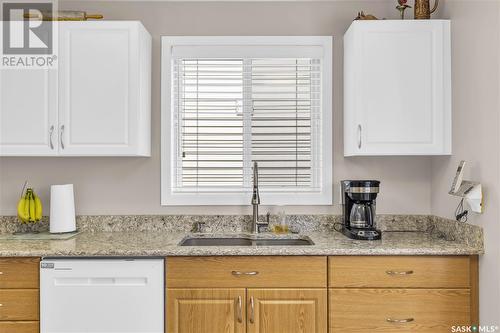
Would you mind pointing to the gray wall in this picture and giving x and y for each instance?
(132, 185)
(475, 30)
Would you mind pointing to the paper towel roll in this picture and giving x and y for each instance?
(62, 209)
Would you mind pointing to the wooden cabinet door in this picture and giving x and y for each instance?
(206, 311)
(398, 310)
(287, 310)
(397, 83)
(28, 112)
(99, 78)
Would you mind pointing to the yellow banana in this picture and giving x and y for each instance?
(38, 207)
(21, 211)
(27, 206)
(32, 206)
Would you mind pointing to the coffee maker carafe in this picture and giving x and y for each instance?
(359, 206)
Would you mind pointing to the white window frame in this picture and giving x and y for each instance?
(223, 198)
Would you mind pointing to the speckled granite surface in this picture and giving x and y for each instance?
(213, 223)
(160, 236)
(456, 231)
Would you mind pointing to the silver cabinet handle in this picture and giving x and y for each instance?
(61, 135)
(238, 273)
(252, 310)
(359, 136)
(399, 272)
(51, 132)
(1, 273)
(399, 321)
(240, 310)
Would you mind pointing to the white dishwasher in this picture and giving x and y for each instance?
(102, 295)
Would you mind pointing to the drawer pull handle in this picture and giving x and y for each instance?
(240, 309)
(252, 310)
(1, 273)
(399, 272)
(1, 305)
(238, 273)
(399, 321)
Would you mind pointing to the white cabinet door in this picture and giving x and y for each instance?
(28, 112)
(397, 88)
(99, 103)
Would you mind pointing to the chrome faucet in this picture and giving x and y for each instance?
(256, 225)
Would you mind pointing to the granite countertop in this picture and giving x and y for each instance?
(155, 243)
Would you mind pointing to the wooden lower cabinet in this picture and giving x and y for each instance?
(246, 310)
(287, 310)
(19, 295)
(19, 327)
(206, 311)
(362, 294)
(398, 310)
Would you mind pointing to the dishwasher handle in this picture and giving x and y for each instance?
(100, 281)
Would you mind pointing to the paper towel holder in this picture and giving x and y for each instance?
(469, 190)
(62, 209)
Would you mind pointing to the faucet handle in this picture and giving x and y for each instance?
(198, 227)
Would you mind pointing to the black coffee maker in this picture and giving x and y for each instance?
(358, 201)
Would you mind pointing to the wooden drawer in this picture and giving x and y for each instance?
(19, 273)
(378, 310)
(399, 272)
(19, 304)
(19, 327)
(246, 272)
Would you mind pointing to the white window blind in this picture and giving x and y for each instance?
(230, 112)
(229, 101)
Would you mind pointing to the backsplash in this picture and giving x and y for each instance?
(212, 223)
(440, 227)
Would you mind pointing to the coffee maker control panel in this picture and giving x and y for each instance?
(368, 234)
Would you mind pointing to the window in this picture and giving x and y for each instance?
(229, 101)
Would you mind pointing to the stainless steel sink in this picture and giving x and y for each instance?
(243, 241)
(216, 242)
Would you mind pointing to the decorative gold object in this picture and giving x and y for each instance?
(423, 9)
(402, 6)
(64, 15)
(363, 16)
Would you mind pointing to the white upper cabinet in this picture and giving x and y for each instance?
(102, 100)
(397, 88)
(104, 91)
(28, 117)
